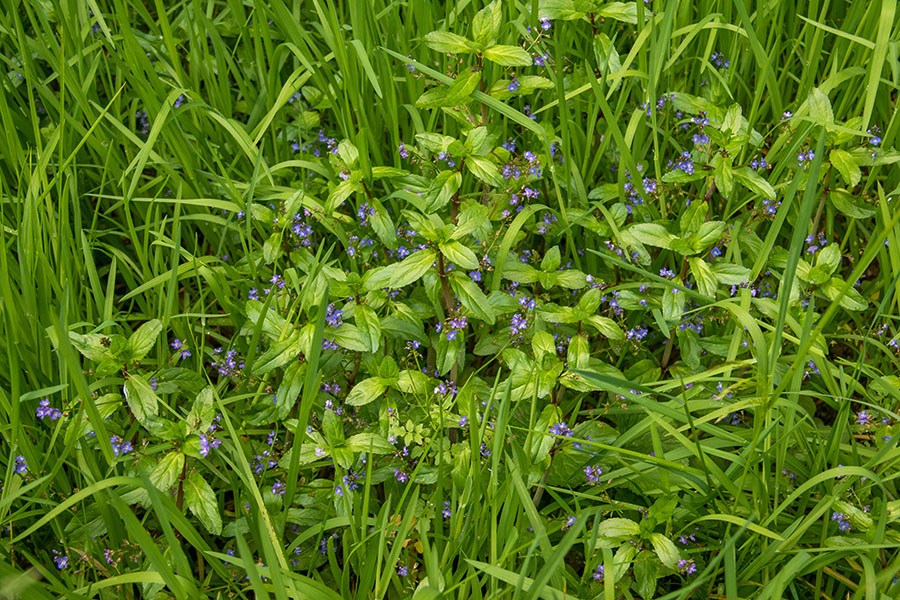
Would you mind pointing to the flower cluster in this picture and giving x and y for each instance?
(45, 410)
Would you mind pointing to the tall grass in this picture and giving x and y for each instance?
(119, 207)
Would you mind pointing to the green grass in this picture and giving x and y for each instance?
(155, 156)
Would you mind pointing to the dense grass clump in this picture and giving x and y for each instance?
(527, 299)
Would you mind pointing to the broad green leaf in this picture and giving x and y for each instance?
(673, 303)
(485, 170)
(366, 391)
(348, 336)
(731, 274)
(142, 340)
(620, 11)
(332, 429)
(618, 528)
(201, 501)
(578, 353)
(456, 94)
(846, 165)
(478, 141)
(279, 354)
(459, 254)
(665, 549)
(435, 142)
(829, 258)
(847, 204)
(411, 269)
(692, 218)
(141, 399)
(370, 442)
(590, 301)
(167, 471)
(708, 234)
(707, 282)
(509, 56)
(607, 327)
(754, 182)
(820, 106)
(442, 189)
(853, 300)
(551, 259)
(444, 41)
(645, 574)
(202, 410)
(486, 24)
(369, 326)
(472, 298)
(570, 279)
(652, 234)
(90, 345)
(412, 382)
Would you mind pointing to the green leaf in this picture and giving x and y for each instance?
(478, 141)
(645, 574)
(590, 301)
(846, 204)
(578, 353)
(820, 107)
(559, 314)
(606, 55)
(606, 326)
(485, 170)
(456, 94)
(435, 142)
(752, 180)
(142, 340)
(90, 345)
(441, 190)
(370, 442)
(366, 391)
(444, 41)
(201, 501)
(509, 56)
(620, 11)
(853, 300)
(673, 303)
(666, 550)
(708, 234)
(486, 24)
(846, 165)
(388, 370)
(411, 269)
(202, 410)
(412, 382)
(332, 429)
(829, 258)
(459, 254)
(570, 279)
(542, 344)
(349, 337)
(652, 234)
(369, 326)
(279, 354)
(692, 218)
(551, 259)
(618, 528)
(707, 282)
(167, 471)
(472, 298)
(724, 176)
(141, 399)
(731, 274)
